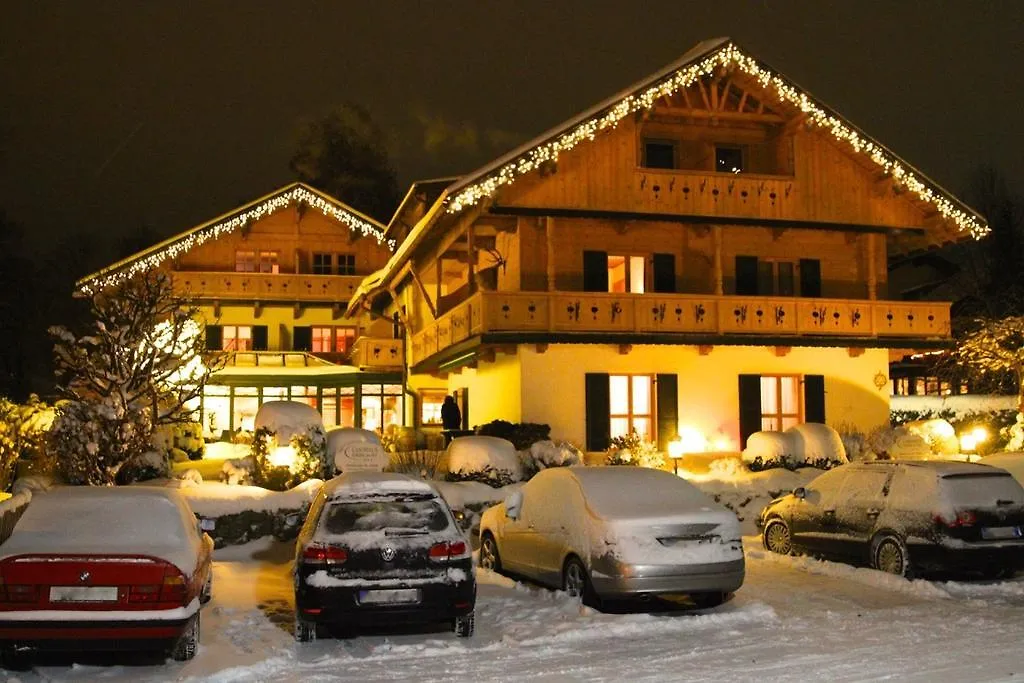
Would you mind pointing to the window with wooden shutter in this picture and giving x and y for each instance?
(746, 275)
(664, 272)
(260, 338)
(667, 390)
(595, 271)
(810, 277)
(214, 338)
(302, 338)
(750, 406)
(814, 398)
(597, 411)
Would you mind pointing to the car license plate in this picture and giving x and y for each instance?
(393, 596)
(996, 532)
(83, 593)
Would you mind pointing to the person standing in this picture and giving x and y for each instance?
(451, 418)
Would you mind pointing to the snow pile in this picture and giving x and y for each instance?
(190, 477)
(937, 433)
(747, 493)
(480, 454)
(544, 454)
(462, 494)
(33, 483)
(287, 419)
(806, 443)
(238, 471)
(1011, 462)
(215, 499)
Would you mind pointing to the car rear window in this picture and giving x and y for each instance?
(378, 515)
(982, 490)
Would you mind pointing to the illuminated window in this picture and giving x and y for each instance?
(780, 402)
(631, 405)
(346, 264)
(268, 262)
(659, 154)
(381, 406)
(430, 410)
(626, 274)
(237, 338)
(728, 159)
(323, 264)
(332, 339)
(901, 386)
(344, 337)
(322, 339)
(245, 261)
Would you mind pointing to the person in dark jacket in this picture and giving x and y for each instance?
(451, 418)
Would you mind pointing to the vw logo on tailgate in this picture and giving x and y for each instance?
(388, 553)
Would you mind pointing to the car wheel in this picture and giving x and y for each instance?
(206, 594)
(489, 557)
(16, 660)
(890, 556)
(708, 600)
(575, 581)
(777, 537)
(463, 626)
(188, 643)
(305, 631)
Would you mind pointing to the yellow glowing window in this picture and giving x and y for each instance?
(237, 338)
(245, 261)
(268, 262)
(631, 405)
(430, 412)
(780, 402)
(626, 274)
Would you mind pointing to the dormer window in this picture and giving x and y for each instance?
(659, 154)
(729, 159)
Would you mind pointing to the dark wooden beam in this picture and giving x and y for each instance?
(701, 219)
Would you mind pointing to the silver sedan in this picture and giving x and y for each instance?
(607, 532)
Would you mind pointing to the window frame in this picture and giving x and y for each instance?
(269, 261)
(779, 415)
(345, 263)
(332, 338)
(436, 396)
(665, 142)
(322, 268)
(628, 257)
(246, 260)
(630, 416)
(741, 149)
(230, 342)
(776, 288)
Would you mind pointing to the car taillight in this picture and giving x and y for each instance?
(146, 593)
(18, 593)
(443, 552)
(174, 587)
(964, 518)
(324, 554)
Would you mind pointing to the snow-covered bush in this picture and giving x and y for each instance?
(937, 433)
(804, 445)
(486, 459)
(1014, 434)
(93, 440)
(632, 449)
(854, 441)
(766, 449)
(238, 471)
(419, 463)
(544, 454)
(280, 465)
(191, 477)
(521, 434)
(181, 441)
(23, 432)
(149, 465)
(881, 440)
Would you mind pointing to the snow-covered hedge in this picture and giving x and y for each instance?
(805, 444)
(486, 459)
(281, 425)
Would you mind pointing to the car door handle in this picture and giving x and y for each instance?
(529, 526)
(830, 513)
(873, 512)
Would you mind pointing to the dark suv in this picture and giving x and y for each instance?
(380, 549)
(902, 517)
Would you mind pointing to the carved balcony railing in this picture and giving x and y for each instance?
(375, 352)
(266, 286)
(694, 314)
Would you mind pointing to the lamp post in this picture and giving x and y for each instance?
(675, 451)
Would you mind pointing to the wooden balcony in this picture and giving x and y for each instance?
(374, 352)
(703, 316)
(266, 286)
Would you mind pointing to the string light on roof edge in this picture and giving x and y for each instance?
(256, 213)
(729, 56)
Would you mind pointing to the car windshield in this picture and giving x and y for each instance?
(376, 515)
(982, 490)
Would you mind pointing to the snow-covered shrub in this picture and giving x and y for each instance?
(521, 434)
(93, 440)
(180, 441)
(238, 471)
(1014, 434)
(632, 449)
(419, 463)
(23, 433)
(191, 477)
(766, 449)
(881, 440)
(813, 443)
(33, 483)
(149, 465)
(306, 460)
(854, 441)
(487, 459)
(937, 433)
(544, 454)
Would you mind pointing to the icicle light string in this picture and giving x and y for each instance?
(728, 57)
(294, 196)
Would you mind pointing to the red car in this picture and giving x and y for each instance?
(98, 569)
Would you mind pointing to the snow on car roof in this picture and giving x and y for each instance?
(101, 520)
(627, 492)
(358, 484)
(943, 468)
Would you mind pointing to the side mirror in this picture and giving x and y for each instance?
(513, 505)
(800, 492)
(207, 524)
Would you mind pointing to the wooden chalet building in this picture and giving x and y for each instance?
(273, 278)
(705, 249)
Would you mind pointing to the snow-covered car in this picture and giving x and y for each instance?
(1011, 462)
(902, 517)
(104, 569)
(609, 532)
(381, 549)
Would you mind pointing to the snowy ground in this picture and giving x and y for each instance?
(795, 619)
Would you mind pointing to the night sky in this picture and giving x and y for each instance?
(119, 115)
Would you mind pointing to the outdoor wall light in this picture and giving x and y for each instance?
(282, 456)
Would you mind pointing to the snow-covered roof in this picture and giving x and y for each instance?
(361, 484)
(139, 520)
(281, 198)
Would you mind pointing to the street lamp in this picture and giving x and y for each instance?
(675, 451)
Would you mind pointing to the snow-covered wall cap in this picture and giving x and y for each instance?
(704, 59)
(295, 193)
